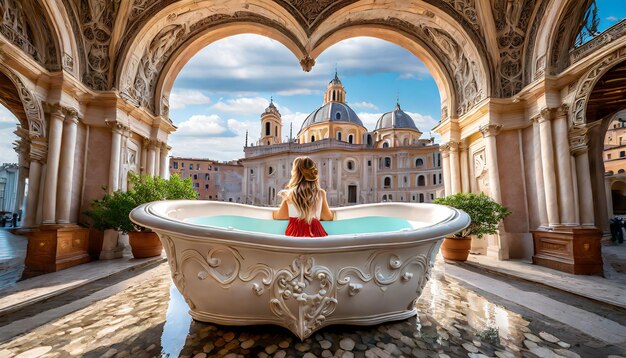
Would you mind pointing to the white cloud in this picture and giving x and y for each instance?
(366, 105)
(184, 98)
(612, 18)
(203, 126)
(242, 105)
(298, 91)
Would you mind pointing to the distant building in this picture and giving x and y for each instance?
(615, 145)
(8, 187)
(212, 180)
(356, 166)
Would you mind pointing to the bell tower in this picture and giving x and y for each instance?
(271, 125)
(335, 91)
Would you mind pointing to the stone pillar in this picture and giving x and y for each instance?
(339, 188)
(144, 156)
(66, 170)
(151, 158)
(541, 203)
(163, 165)
(609, 198)
(578, 147)
(498, 245)
(116, 155)
(52, 165)
(445, 156)
(21, 182)
(455, 178)
(548, 166)
(37, 155)
(567, 212)
(157, 159)
(465, 175)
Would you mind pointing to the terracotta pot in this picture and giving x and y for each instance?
(145, 244)
(456, 249)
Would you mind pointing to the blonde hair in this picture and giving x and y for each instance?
(303, 187)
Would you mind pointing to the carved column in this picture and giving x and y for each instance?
(445, 156)
(116, 154)
(563, 159)
(465, 183)
(498, 245)
(66, 172)
(578, 147)
(455, 182)
(38, 149)
(52, 164)
(164, 166)
(548, 165)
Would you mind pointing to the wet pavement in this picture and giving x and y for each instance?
(12, 255)
(150, 319)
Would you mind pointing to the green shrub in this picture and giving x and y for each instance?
(485, 214)
(111, 212)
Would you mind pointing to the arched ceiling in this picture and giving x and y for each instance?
(608, 95)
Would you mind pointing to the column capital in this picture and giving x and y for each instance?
(55, 110)
(444, 148)
(578, 139)
(38, 150)
(562, 111)
(71, 115)
(117, 126)
(489, 130)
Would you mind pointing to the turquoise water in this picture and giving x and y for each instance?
(366, 224)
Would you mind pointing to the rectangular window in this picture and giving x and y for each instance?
(622, 154)
(190, 166)
(206, 186)
(196, 185)
(195, 177)
(197, 166)
(175, 165)
(369, 163)
(207, 176)
(608, 156)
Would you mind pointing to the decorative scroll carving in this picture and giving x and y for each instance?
(138, 7)
(311, 13)
(578, 139)
(512, 18)
(467, 9)
(305, 293)
(588, 82)
(97, 17)
(22, 22)
(68, 62)
(540, 63)
(32, 105)
(481, 171)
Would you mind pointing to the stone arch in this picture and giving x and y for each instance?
(67, 42)
(587, 83)
(31, 106)
(149, 63)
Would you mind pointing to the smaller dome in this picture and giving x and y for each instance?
(396, 119)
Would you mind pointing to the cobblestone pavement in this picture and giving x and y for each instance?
(151, 319)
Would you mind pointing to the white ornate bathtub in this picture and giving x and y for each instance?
(234, 277)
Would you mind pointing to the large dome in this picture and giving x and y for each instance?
(396, 119)
(332, 111)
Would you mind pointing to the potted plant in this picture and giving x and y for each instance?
(485, 215)
(112, 211)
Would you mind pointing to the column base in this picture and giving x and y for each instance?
(55, 247)
(569, 249)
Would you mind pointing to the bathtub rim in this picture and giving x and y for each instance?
(151, 215)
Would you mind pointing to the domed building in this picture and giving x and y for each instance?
(356, 166)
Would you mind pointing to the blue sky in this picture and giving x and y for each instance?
(222, 91)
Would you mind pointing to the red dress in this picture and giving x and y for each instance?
(300, 228)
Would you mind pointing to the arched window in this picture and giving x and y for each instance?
(621, 171)
(419, 162)
(385, 145)
(369, 140)
(385, 197)
(276, 131)
(312, 138)
(390, 197)
(387, 183)
(387, 162)
(338, 134)
(337, 116)
(267, 128)
(350, 165)
(421, 180)
(350, 139)
(270, 170)
(333, 99)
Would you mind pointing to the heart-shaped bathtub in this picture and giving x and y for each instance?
(232, 274)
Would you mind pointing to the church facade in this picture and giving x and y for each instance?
(356, 166)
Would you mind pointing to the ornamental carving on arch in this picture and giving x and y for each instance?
(97, 18)
(311, 13)
(511, 19)
(587, 83)
(140, 87)
(32, 105)
(18, 26)
(467, 10)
